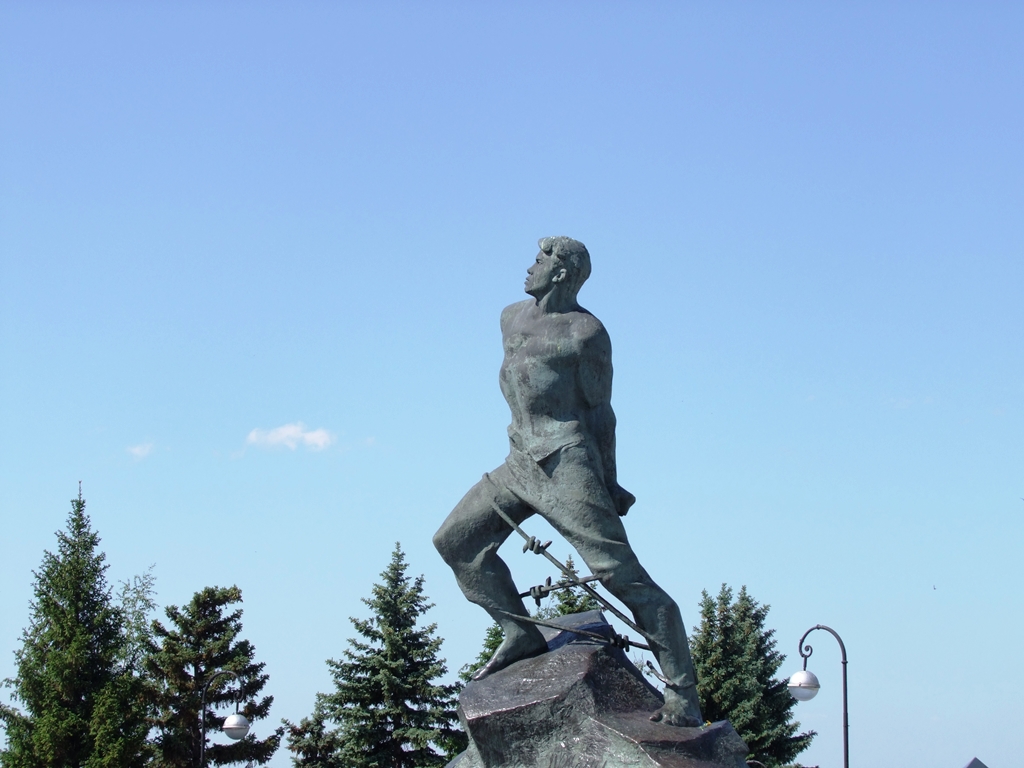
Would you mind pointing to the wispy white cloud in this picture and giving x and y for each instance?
(291, 436)
(140, 451)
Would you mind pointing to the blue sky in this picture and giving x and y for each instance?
(221, 220)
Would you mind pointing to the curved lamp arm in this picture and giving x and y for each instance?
(805, 653)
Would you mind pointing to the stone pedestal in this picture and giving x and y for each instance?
(582, 705)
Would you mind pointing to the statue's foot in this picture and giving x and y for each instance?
(681, 708)
(513, 649)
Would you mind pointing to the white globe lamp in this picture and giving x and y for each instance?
(235, 726)
(804, 685)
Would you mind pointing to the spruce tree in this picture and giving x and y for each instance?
(203, 638)
(389, 709)
(78, 677)
(736, 661)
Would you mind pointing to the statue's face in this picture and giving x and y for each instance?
(543, 275)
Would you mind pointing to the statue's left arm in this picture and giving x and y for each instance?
(595, 378)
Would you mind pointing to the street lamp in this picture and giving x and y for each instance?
(803, 686)
(235, 726)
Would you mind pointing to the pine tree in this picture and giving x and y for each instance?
(203, 639)
(736, 662)
(389, 710)
(78, 679)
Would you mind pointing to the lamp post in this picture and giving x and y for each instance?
(804, 686)
(235, 726)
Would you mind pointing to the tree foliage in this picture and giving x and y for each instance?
(388, 708)
(78, 674)
(313, 742)
(202, 638)
(736, 662)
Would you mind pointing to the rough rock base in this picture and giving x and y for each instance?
(582, 705)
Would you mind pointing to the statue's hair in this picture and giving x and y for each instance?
(574, 256)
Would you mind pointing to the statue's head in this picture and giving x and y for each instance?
(570, 254)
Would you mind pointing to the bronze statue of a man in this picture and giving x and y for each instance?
(557, 379)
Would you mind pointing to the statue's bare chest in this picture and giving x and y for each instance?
(549, 344)
(539, 357)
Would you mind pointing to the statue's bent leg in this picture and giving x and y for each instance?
(468, 540)
(581, 510)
